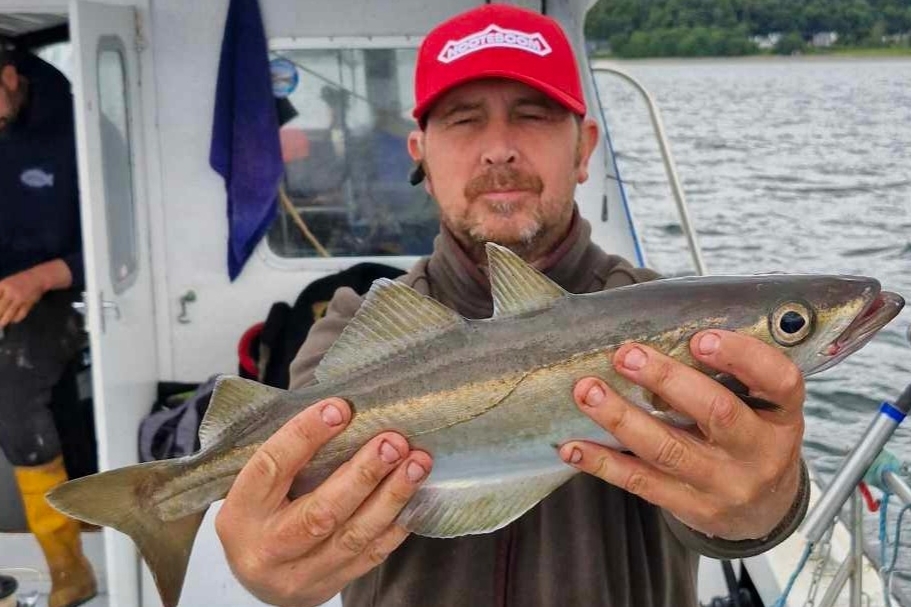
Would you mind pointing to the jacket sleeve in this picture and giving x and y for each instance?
(74, 262)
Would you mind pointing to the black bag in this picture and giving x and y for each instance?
(172, 428)
(287, 327)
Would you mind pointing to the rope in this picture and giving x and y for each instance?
(887, 571)
(884, 462)
(782, 600)
(299, 221)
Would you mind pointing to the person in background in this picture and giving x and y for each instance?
(502, 142)
(41, 274)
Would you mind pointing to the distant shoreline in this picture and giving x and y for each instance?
(841, 53)
(885, 54)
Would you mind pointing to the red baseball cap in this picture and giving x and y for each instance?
(497, 41)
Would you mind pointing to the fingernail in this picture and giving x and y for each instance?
(708, 343)
(331, 415)
(574, 457)
(388, 453)
(635, 359)
(415, 472)
(595, 396)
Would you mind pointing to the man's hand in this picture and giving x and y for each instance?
(302, 552)
(734, 478)
(20, 292)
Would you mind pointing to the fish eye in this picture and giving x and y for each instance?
(791, 323)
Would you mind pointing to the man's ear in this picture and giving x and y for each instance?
(416, 145)
(588, 141)
(9, 77)
(416, 151)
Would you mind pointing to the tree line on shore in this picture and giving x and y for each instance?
(693, 28)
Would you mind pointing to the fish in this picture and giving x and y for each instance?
(489, 399)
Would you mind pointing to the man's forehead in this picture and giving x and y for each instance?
(480, 93)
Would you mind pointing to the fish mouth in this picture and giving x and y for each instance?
(878, 312)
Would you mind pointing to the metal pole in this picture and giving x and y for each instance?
(855, 588)
(837, 583)
(854, 467)
(898, 486)
(669, 165)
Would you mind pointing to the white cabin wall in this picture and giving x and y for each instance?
(357, 17)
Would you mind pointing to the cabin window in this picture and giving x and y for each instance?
(345, 117)
(116, 152)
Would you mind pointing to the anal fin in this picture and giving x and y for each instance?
(451, 508)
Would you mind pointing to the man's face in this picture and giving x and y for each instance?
(10, 98)
(502, 161)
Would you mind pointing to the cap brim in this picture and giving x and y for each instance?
(572, 104)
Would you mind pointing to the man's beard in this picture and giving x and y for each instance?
(521, 241)
(533, 232)
(504, 178)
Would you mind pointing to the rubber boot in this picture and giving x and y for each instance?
(72, 579)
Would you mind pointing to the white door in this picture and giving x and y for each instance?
(116, 242)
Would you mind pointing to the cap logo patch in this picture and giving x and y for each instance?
(494, 36)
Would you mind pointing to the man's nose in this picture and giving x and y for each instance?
(499, 146)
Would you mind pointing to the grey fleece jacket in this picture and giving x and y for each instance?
(588, 543)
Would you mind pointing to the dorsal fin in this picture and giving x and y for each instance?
(516, 286)
(393, 318)
(232, 398)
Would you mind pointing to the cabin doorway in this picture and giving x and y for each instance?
(99, 46)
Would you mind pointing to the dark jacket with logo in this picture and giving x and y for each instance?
(588, 543)
(39, 196)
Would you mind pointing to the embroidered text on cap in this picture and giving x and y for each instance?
(494, 36)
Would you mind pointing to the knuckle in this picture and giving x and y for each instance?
(354, 539)
(399, 497)
(617, 418)
(249, 566)
(710, 513)
(265, 465)
(723, 410)
(600, 469)
(318, 519)
(223, 523)
(636, 483)
(368, 475)
(739, 498)
(286, 590)
(769, 476)
(302, 431)
(671, 453)
(663, 374)
(377, 554)
(791, 383)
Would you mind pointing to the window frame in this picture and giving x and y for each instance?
(113, 44)
(333, 264)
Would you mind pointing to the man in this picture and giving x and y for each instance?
(40, 274)
(503, 142)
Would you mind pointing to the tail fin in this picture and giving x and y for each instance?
(117, 499)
